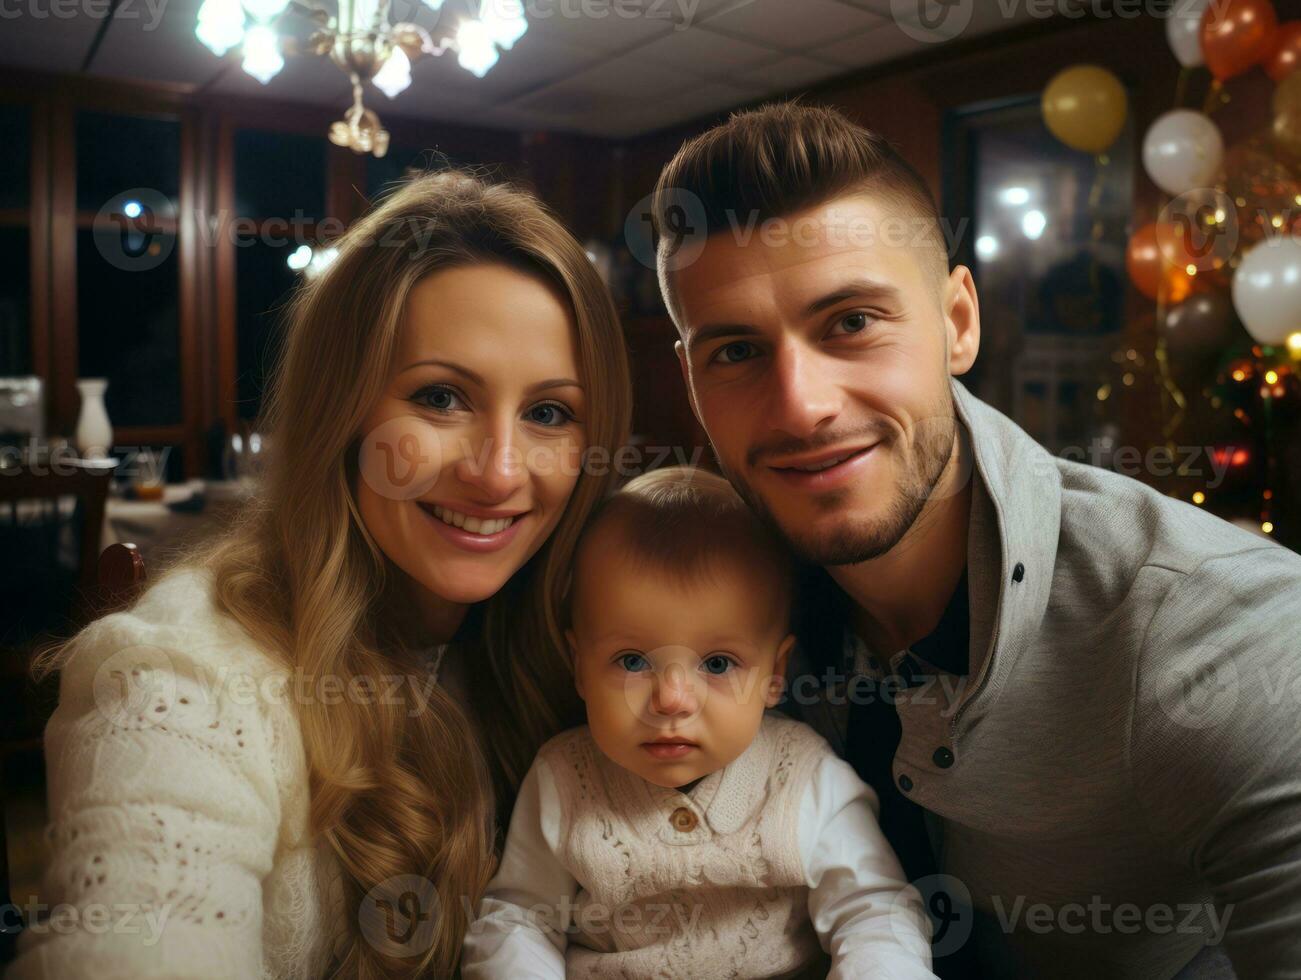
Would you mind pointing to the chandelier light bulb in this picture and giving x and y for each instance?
(476, 52)
(220, 26)
(505, 21)
(265, 11)
(395, 76)
(262, 57)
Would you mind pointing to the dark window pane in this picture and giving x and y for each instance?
(127, 330)
(396, 165)
(279, 175)
(116, 154)
(15, 156)
(263, 282)
(1049, 236)
(15, 290)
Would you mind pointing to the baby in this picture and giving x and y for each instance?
(684, 832)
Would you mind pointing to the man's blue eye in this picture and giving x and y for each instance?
(734, 353)
(854, 322)
(717, 664)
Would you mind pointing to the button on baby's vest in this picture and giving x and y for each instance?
(683, 820)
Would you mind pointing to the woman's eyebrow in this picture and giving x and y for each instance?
(478, 380)
(450, 365)
(554, 383)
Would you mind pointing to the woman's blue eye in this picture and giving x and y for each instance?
(717, 664)
(735, 352)
(854, 322)
(633, 662)
(437, 397)
(549, 414)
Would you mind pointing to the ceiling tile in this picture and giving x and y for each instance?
(602, 25)
(47, 43)
(533, 62)
(773, 23)
(878, 45)
(155, 41)
(795, 72)
(706, 52)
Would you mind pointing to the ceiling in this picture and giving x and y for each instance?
(612, 68)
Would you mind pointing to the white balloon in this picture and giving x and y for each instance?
(1267, 290)
(1183, 29)
(1182, 151)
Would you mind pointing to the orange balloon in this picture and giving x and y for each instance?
(1237, 34)
(1152, 264)
(1286, 55)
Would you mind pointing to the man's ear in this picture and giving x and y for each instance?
(961, 320)
(572, 643)
(777, 685)
(680, 349)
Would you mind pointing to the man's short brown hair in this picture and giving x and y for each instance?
(777, 160)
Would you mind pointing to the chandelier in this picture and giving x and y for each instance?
(362, 42)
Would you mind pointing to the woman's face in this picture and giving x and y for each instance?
(470, 455)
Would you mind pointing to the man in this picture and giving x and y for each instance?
(1076, 697)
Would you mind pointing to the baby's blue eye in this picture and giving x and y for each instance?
(717, 664)
(633, 662)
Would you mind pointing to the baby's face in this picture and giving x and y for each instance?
(676, 674)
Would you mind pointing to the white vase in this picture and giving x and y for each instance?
(94, 435)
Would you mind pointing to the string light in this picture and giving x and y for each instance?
(1271, 377)
(1199, 498)
(1267, 527)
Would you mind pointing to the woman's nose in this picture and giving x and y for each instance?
(495, 466)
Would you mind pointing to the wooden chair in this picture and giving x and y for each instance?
(121, 577)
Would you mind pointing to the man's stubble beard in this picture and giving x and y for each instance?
(852, 543)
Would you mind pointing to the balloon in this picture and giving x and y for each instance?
(1287, 114)
(1183, 150)
(1267, 290)
(1150, 267)
(1286, 55)
(1200, 326)
(1085, 107)
(1183, 29)
(1237, 34)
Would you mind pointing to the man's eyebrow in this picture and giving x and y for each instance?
(867, 288)
(712, 331)
(855, 289)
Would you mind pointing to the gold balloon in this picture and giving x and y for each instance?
(1085, 107)
(1287, 114)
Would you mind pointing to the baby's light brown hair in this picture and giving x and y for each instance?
(686, 523)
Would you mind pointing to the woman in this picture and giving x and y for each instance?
(252, 768)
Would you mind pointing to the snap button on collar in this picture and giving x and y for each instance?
(683, 820)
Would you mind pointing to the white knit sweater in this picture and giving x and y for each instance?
(762, 869)
(178, 796)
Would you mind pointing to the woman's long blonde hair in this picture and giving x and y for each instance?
(397, 791)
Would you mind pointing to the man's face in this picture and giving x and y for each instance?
(818, 362)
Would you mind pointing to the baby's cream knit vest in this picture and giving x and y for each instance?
(702, 886)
